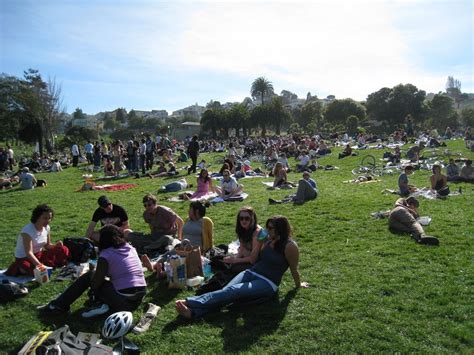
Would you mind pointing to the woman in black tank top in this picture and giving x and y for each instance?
(278, 254)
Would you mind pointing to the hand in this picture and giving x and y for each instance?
(304, 285)
(229, 259)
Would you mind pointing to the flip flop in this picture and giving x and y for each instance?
(146, 319)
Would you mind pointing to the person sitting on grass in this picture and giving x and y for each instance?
(404, 187)
(204, 185)
(118, 283)
(33, 246)
(198, 231)
(467, 172)
(280, 177)
(347, 152)
(414, 152)
(403, 219)
(277, 254)
(27, 180)
(164, 225)
(228, 186)
(439, 181)
(304, 161)
(307, 190)
(107, 213)
(452, 171)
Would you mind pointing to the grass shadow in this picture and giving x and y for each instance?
(236, 322)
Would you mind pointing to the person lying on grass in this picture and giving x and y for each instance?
(34, 247)
(107, 213)
(279, 253)
(403, 218)
(117, 284)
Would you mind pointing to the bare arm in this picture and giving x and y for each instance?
(98, 277)
(179, 223)
(28, 245)
(252, 258)
(90, 229)
(433, 182)
(292, 255)
(125, 225)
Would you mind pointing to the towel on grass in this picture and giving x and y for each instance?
(240, 197)
(18, 279)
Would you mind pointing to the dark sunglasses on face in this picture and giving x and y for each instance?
(244, 218)
(270, 228)
(148, 204)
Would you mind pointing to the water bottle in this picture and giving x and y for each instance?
(168, 270)
(262, 235)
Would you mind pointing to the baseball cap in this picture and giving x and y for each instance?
(103, 201)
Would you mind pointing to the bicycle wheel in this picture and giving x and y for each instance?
(368, 160)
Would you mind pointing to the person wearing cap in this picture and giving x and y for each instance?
(27, 179)
(107, 213)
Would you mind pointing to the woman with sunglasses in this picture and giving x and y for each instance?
(247, 230)
(279, 253)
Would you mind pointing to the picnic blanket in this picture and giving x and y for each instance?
(203, 197)
(430, 195)
(240, 197)
(270, 185)
(18, 279)
(109, 187)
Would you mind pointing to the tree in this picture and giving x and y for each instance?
(121, 115)
(311, 112)
(109, 122)
(238, 117)
(278, 114)
(441, 112)
(453, 89)
(260, 88)
(338, 111)
(352, 122)
(210, 121)
(54, 111)
(260, 116)
(78, 114)
(391, 106)
(467, 117)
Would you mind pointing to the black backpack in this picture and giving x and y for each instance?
(10, 290)
(80, 249)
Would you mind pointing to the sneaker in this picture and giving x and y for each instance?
(146, 320)
(96, 311)
(51, 309)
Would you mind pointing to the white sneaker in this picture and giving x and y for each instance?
(96, 311)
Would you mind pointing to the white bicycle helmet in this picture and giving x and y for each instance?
(117, 325)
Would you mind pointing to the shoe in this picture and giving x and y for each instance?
(298, 202)
(271, 201)
(96, 311)
(146, 319)
(51, 309)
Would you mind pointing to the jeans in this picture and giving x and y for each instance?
(244, 286)
(305, 191)
(106, 293)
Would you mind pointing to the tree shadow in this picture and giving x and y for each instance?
(244, 326)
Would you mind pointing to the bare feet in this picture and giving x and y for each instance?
(147, 263)
(183, 309)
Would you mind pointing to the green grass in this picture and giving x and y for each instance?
(371, 291)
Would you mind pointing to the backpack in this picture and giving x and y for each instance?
(80, 249)
(10, 290)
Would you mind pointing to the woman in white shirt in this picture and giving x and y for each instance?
(33, 246)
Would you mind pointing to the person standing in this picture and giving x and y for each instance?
(75, 154)
(150, 152)
(89, 149)
(193, 152)
(142, 155)
(11, 160)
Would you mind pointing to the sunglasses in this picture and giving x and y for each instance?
(149, 204)
(244, 218)
(270, 228)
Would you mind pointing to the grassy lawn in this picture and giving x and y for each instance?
(371, 291)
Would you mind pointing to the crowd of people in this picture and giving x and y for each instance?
(118, 283)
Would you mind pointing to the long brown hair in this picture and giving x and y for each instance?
(245, 235)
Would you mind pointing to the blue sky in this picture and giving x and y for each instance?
(167, 55)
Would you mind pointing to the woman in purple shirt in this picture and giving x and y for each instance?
(125, 288)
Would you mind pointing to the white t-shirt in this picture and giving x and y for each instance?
(38, 238)
(230, 185)
(304, 160)
(75, 150)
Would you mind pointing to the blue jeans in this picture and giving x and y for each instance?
(245, 285)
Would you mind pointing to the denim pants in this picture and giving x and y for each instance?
(305, 191)
(106, 293)
(245, 285)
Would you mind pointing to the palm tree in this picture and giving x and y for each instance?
(261, 87)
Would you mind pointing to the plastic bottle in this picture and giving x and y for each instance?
(168, 270)
(262, 235)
